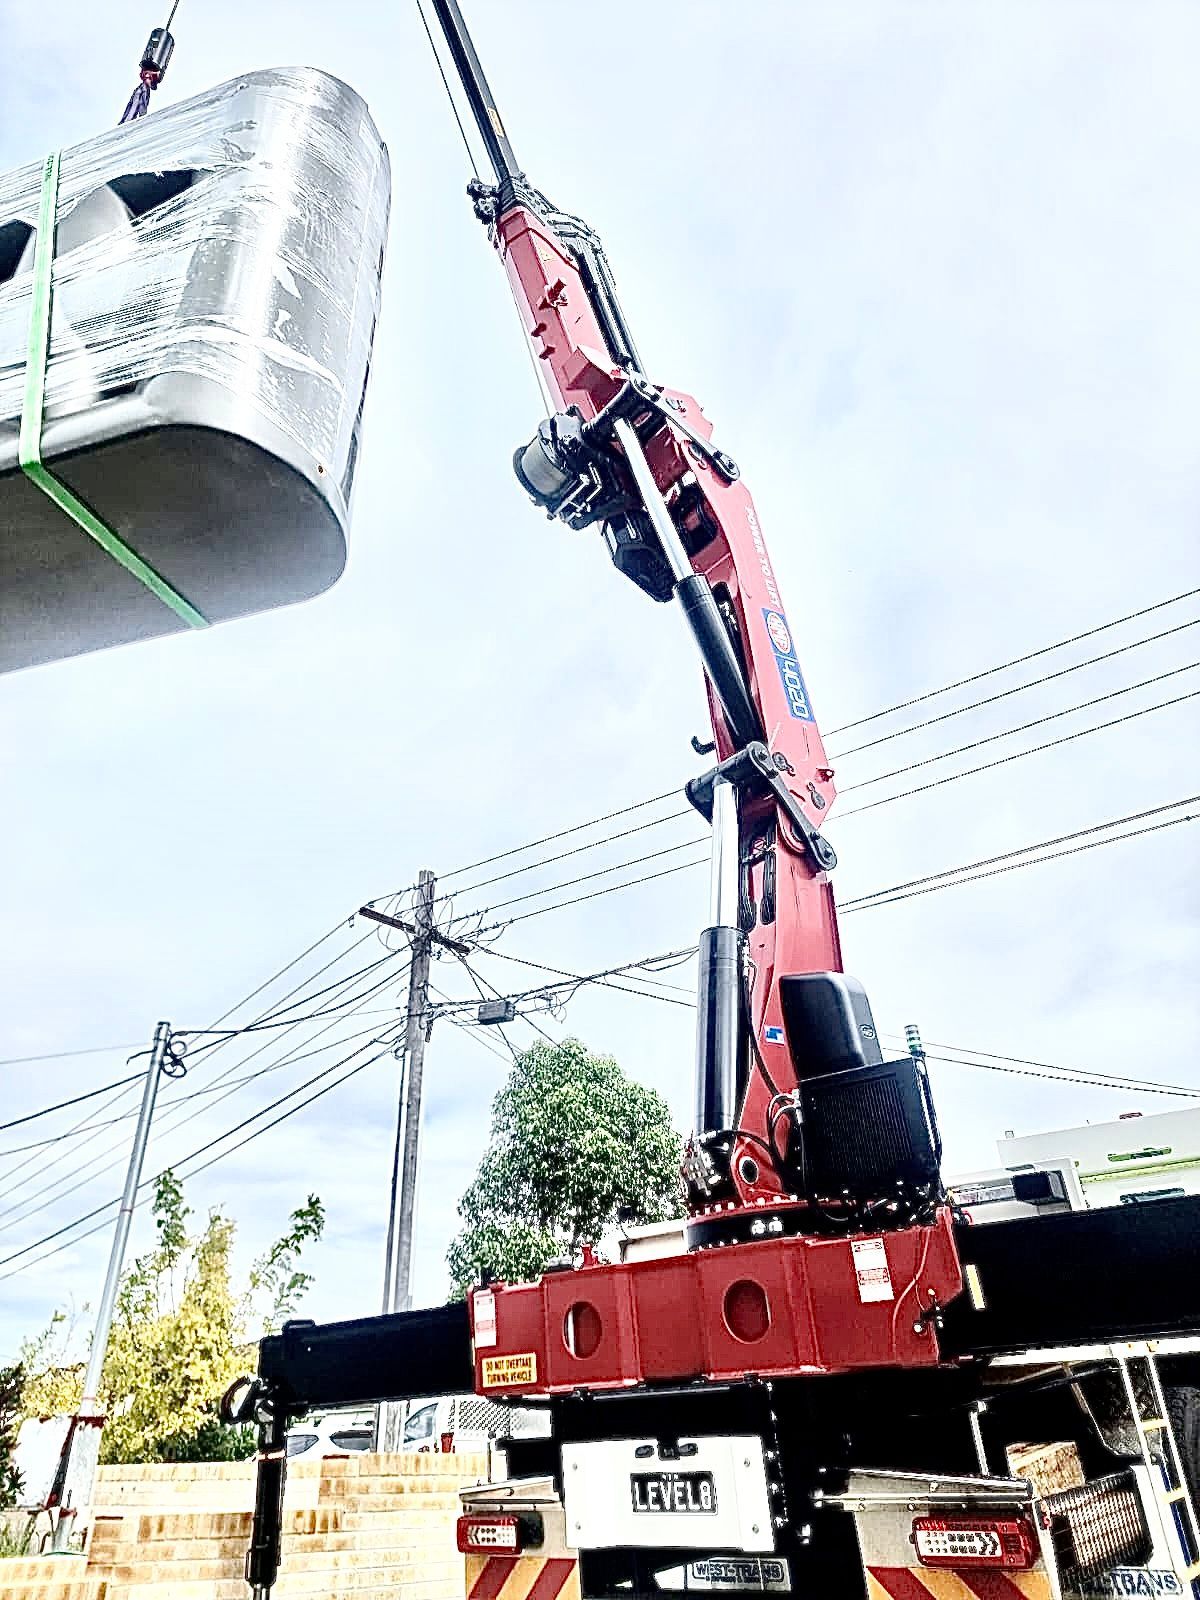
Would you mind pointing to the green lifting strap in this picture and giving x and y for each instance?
(30, 448)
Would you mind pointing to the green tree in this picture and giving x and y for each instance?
(12, 1383)
(573, 1142)
(181, 1333)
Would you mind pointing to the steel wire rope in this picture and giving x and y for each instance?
(1022, 727)
(1033, 683)
(165, 1124)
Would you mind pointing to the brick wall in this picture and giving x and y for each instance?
(366, 1526)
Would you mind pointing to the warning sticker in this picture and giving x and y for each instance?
(503, 1372)
(871, 1269)
(484, 1307)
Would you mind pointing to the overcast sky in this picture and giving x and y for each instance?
(932, 270)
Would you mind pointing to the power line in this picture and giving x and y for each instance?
(1024, 727)
(1019, 755)
(1033, 683)
(55, 1190)
(86, 1125)
(562, 833)
(325, 1072)
(920, 699)
(199, 1094)
(952, 880)
(1003, 1063)
(561, 972)
(563, 855)
(573, 982)
(76, 1100)
(63, 1055)
(1016, 661)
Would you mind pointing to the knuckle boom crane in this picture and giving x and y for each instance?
(821, 1341)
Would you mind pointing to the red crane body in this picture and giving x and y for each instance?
(802, 936)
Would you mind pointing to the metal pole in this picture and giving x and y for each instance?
(77, 1468)
(89, 1405)
(398, 1258)
(718, 1009)
(475, 86)
(418, 1005)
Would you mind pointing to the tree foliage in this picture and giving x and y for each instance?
(12, 1383)
(181, 1333)
(573, 1142)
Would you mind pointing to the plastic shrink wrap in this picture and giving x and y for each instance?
(215, 286)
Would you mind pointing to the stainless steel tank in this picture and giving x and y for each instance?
(215, 286)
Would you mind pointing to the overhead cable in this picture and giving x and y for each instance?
(952, 878)
(76, 1100)
(1015, 661)
(1019, 755)
(1004, 694)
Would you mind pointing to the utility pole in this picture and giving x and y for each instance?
(397, 1270)
(398, 1259)
(77, 1470)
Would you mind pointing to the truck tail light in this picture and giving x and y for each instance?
(498, 1533)
(1006, 1542)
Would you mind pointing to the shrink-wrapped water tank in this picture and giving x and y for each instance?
(210, 298)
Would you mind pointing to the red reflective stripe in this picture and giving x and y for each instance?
(493, 1577)
(901, 1583)
(991, 1585)
(552, 1577)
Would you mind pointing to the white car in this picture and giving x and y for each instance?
(335, 1435)
(467, 1422)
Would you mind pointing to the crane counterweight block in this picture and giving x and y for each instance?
(778, 1306)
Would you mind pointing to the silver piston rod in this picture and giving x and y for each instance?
(718, 1011)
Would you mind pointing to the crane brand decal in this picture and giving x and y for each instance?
(789, 668)
(1135, 1580)
(738, 1572)
(505, 1372)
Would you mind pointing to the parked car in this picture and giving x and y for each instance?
(466, 1423)
(335, 1435)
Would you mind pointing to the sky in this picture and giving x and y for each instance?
(931, 270)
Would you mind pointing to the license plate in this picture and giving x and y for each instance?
(669, 1492)
(706, 1493)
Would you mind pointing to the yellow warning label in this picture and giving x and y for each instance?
(504, 1371)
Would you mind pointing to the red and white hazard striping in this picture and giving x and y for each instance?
(921, 1583)
(522, 1578)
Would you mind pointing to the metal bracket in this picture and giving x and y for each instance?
(755, 768)
(636, 396)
